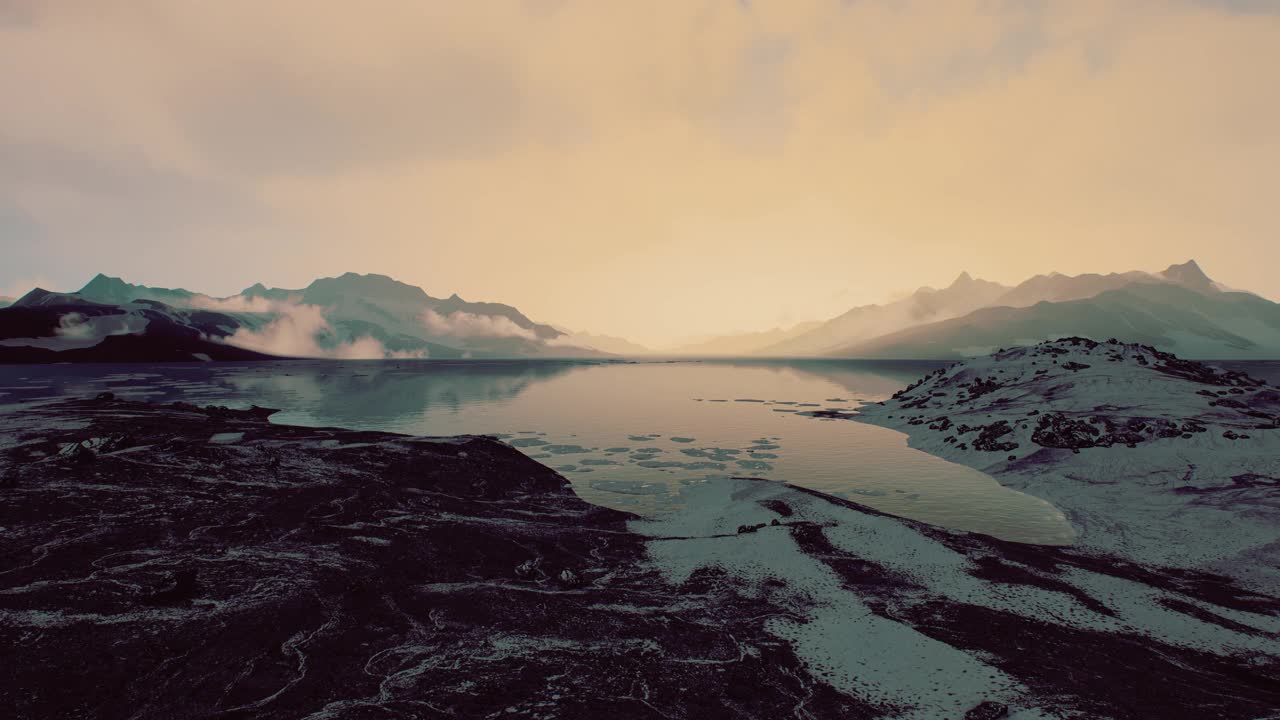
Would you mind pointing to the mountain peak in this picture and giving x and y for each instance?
(39, 297)
(324, 291)
(1188, 274)
(105, 288)
(963, 279)
(103, 281)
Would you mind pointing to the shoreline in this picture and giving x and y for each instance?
(350, 571)
(1202, 492)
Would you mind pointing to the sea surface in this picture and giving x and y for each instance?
(629, 435)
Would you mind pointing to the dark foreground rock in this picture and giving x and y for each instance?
(178, 562)
(184, 562)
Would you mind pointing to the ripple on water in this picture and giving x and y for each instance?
(566, 449)
(715, 454)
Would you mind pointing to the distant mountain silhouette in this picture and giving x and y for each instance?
(925, 305)
(750, 343)
(1206, 324)
(1180, 309)
(1056, 287)
(604, 343)
(1189, 275)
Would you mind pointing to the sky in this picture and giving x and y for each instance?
(652, 169)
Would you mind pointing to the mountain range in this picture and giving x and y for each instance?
(1179, 309)
(351, 316)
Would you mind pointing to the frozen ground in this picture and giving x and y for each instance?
(1152, 458)
(163, 561)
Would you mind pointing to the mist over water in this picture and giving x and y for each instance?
(628, 435)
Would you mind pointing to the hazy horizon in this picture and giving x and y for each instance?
(650, 171)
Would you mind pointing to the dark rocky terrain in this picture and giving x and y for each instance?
(176, 561)
(45, 327)
(164, 562)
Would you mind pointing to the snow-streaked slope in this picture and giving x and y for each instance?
(1151, 457)
(932, 622)
(1170, 471)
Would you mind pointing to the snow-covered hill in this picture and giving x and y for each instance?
(1151, 457)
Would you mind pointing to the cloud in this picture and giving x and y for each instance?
(296, 332)
(543, 152)
(460, 324)
(241, 304)
(73, 326)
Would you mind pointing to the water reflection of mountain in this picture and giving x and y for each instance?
(391, 395)
(873, 379)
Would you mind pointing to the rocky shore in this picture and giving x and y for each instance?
(1151, 457)
(161, 561)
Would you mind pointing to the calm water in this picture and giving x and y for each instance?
(628, 436)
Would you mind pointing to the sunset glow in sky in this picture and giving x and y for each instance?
(654, 169)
